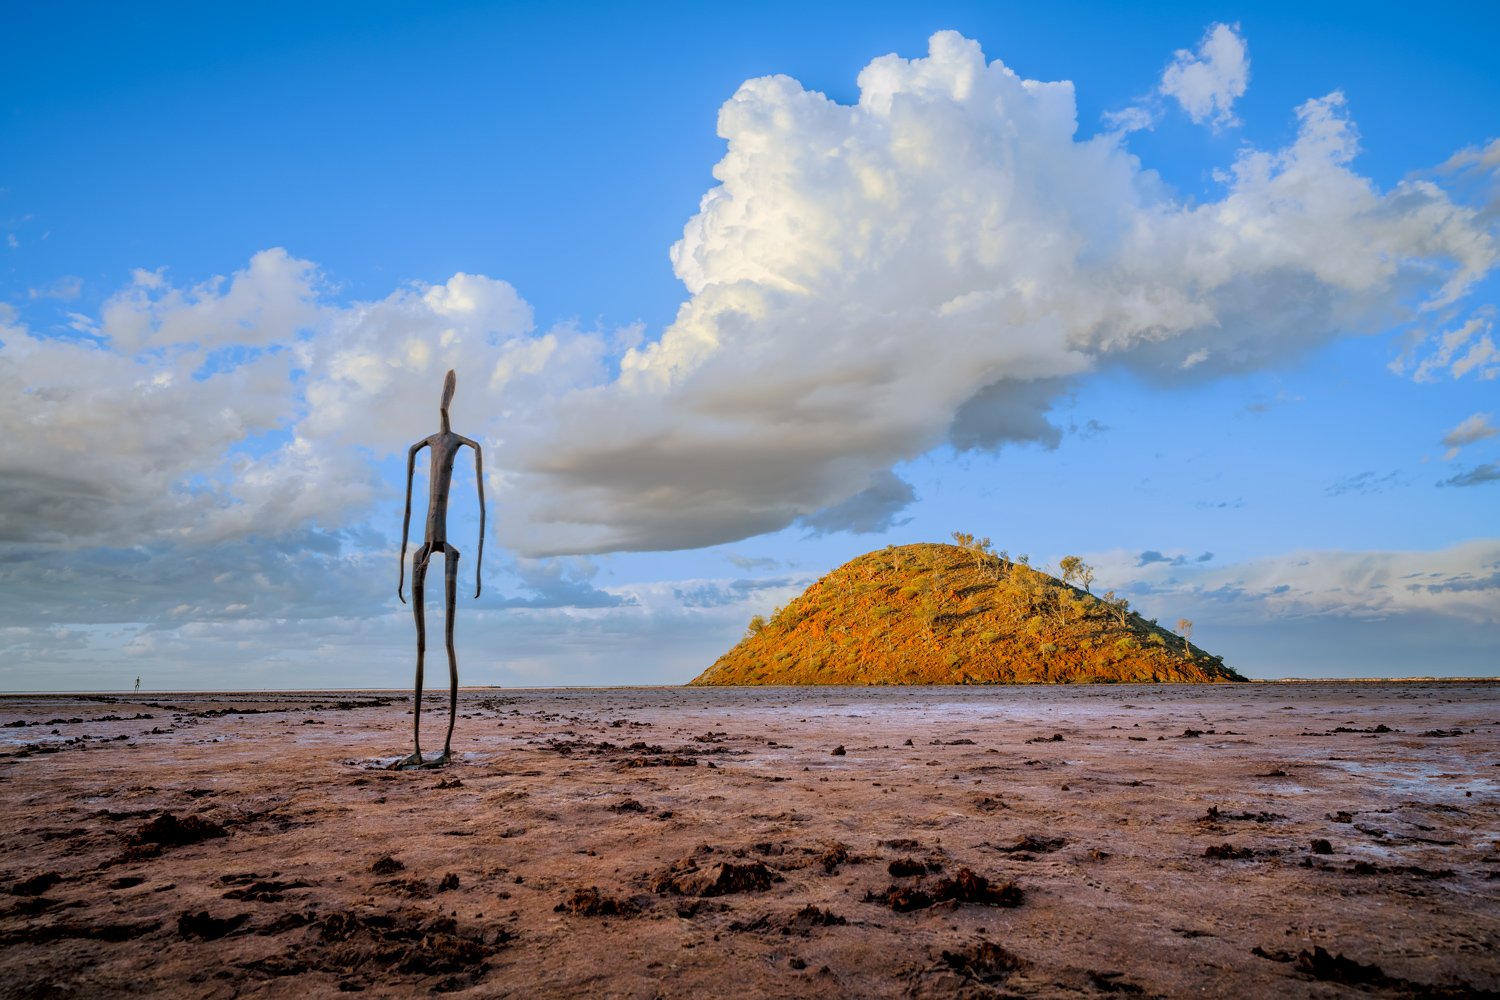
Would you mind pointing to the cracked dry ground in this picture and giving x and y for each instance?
(1315, 840)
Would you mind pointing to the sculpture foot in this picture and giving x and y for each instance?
(442, 760)
(410, 763)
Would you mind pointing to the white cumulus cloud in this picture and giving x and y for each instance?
(1208, 82)
(933, 264)
(247, 405)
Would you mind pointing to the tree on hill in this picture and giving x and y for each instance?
(1118, 606)
(1075, 569)
(1185, 629)
(978, 548)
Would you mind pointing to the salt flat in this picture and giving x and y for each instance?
(1317, 839)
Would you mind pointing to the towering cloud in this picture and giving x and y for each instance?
(933, 264)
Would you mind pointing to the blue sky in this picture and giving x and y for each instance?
(1216, 314)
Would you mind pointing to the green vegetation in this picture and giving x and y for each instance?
(959, 614)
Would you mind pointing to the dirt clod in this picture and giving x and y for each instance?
(590, 902)
(1032, 844)
(718, 879)
(833, 855)
(964, 887)
(208, 928)
(1319, 964)
(983, 961)
(36, 885)
(167, 830)
(1227, 852)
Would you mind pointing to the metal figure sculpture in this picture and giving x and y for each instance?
(444, 446)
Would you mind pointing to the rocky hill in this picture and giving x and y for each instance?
(958, 614)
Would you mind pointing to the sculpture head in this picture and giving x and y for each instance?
(449, 385)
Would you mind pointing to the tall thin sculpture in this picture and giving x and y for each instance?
(444, 447)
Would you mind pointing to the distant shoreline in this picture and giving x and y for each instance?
(402, 692)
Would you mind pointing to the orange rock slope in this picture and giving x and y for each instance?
(949, 614)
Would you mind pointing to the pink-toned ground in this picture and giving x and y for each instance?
(1234, 840)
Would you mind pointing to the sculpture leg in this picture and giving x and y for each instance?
(450, 594)
(418, 586)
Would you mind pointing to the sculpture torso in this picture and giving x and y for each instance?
(444, 448)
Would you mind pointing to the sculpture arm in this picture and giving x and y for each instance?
(411, 466)
(479, 481)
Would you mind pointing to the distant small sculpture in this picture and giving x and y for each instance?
(444, 447)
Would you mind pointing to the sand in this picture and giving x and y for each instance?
(1307, 840)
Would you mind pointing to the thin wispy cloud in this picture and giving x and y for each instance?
(1459, 582)
(1476, 427)
(1480, 475)
(1467, 349)
(1364, 483)
(65, 289)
